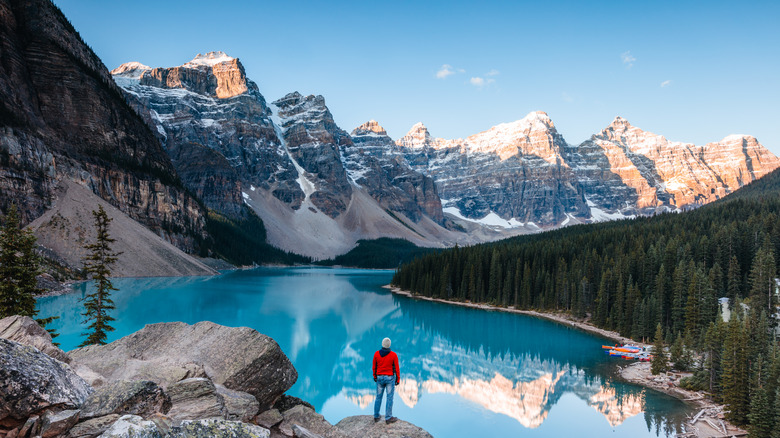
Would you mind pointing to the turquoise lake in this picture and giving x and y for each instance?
(464, 371)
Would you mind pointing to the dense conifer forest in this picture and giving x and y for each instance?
(638, 276)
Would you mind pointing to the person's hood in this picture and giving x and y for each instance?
(384, 352)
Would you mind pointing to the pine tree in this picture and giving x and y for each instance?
(776, 415)
(760, 415)
(762, 278)
(19, 267)
(97, 264)
(734, 378)
(659, 364)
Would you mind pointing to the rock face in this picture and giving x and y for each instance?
(63, 118)
(314, 141)
(374, 161)
(513, 170)
(238, 358)
(31, 381)
(524, 174)
(216, 126)
(25, 330)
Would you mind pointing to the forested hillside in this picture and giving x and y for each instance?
(630, 276)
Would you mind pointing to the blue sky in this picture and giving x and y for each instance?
(691, 71)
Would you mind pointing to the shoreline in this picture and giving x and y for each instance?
(707, 422)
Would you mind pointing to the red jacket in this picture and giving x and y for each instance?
(386, 365)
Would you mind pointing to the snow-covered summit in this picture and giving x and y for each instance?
(209, 59)
(130, 70)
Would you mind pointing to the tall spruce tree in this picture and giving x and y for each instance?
(19, 267)
(97, 265)
(659, 364)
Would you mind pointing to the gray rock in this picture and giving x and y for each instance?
(269, 418)
(57, 423)
(217, 428)
(302, 432)
(238, 358)
(312, 421)
(132, 426)
(286, 402)
(141, 398)
(239, 405)
(31, 381)
(363, 426)
(93, 427)
(25, 330)
(31, 426)
(195, 398)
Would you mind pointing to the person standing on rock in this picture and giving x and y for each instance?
(387, 376)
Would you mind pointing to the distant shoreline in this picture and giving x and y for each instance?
(559, 318)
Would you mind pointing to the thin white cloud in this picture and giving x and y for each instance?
(566, 98)
(444, 71)
(666, 83)
(493, 72)
(477, 82)
(628, 59)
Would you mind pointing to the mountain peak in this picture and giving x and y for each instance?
(131, 69)
(619, 122)
(209, 59)
(370, 127)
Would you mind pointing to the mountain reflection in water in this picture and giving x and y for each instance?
(461, 368)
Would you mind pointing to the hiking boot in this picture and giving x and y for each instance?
(391, 420)
(376, 419)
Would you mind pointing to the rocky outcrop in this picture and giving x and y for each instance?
(25, 330)
(32, 382)
(374, 162)
(44, 397)
(238, 358)
(63, 118)
(364, 426)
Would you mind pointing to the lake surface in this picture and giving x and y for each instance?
(464, 371)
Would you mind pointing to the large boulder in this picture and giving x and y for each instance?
(363, 426)
(238, 358)
(25, 330)
(31, 381)
(217, 428)
(194, 399)
(142, 398)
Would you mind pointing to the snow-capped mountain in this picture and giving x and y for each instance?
(523, 174)
(319, 189)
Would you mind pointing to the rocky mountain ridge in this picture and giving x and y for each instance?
(290, 162)
(523, 174)
(317, 188)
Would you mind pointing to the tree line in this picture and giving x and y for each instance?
(645, 278)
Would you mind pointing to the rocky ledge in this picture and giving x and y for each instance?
(166, 380)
